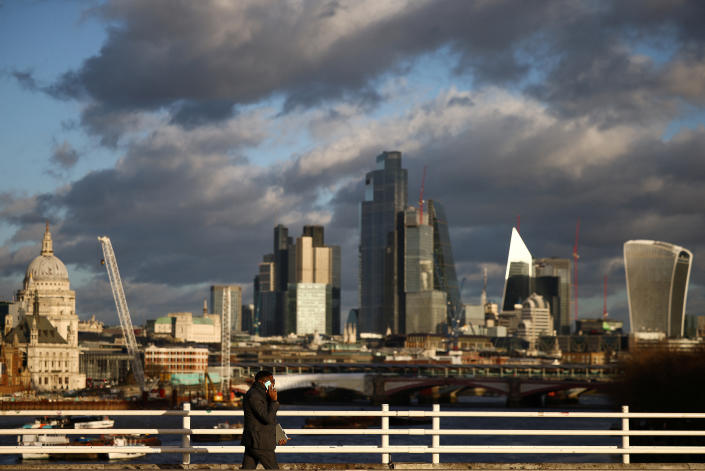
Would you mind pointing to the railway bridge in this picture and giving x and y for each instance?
(521, 384)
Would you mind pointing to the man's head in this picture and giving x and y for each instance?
(264, 375)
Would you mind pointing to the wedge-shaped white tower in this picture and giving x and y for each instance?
(517, 278)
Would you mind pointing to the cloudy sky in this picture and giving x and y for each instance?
(187, 130)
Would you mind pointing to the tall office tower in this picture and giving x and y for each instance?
(235, 304)
(284, 259)
(282, 243)
(304, 260)
(264, 321)
(385, 196)
(552, 281)
(335, 289)
(535, 319)
(248, 314)
(313, 294)
(657, 285)
(316, 234)
(423, 308)
(517, 278)
(444, 277)
(310, 308)
(266, 276)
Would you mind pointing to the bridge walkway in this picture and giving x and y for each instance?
(365, 466)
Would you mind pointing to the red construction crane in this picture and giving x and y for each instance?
(575, 268)
(423, 181)
(604, 306)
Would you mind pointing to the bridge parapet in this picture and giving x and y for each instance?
(556, 372)
(619, 446)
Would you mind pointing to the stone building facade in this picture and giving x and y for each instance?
(41, 340)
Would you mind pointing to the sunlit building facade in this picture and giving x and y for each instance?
(310, 309)
(519, 272)
(657, 275)
(423, 307)
(42, 332)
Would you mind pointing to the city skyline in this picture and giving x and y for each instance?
(185, 134)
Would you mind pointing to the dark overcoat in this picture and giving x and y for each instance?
(260, 419)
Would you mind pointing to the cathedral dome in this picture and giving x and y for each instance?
(47, 266)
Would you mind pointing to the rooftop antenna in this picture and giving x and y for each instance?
(575, 267)
(423, 181)
(518, 222)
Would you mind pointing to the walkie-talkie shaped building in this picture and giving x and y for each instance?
(657, 285)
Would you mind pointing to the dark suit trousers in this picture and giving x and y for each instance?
(253, 456)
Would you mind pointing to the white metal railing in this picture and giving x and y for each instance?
(384, 448)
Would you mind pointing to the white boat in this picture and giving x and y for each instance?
(40, 440)
(123, 455)
(92, 422)
(79, 422)
(72, 422)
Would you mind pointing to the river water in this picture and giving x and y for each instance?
(588, 403)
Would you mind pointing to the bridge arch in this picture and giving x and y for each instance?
(285, 382)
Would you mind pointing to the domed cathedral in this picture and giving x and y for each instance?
(44, 334)
(47, 292)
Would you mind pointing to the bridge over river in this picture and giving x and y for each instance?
(521, 384)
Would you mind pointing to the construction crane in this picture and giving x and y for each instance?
(461, 311)
(225, 326)
(128, 332)
(575, 268)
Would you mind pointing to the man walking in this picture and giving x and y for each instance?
(259, 435)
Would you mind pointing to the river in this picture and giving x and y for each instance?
(587, 403)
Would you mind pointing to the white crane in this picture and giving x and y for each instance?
(123, 312)
(226, 314)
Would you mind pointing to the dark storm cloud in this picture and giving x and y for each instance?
(201, 59)
(64, 155)
(244, 52)
(196, 113)
(109, 124)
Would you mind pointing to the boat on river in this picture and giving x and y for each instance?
(85, 423)
(228, 433)
(40, 440)
(72, 422)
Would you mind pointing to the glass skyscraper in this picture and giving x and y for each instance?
(553, 281)
(422, 307)
(444, 277)
(657, 285)
(385, 197)
(235, 304)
